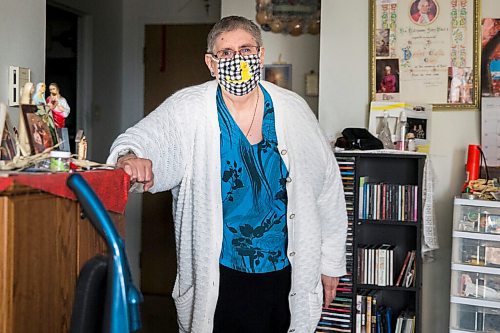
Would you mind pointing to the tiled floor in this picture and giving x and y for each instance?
(158, 315)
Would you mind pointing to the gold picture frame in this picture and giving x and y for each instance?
(425, 55)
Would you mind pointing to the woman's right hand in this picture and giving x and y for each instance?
(139, 169)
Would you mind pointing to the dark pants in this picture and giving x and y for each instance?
(256, 303)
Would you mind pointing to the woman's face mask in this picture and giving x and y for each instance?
(239, 75)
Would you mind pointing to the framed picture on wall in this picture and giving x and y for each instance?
(279, 74)
(432, 43)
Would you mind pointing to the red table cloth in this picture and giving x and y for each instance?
(111, 186)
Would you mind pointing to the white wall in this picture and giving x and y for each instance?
(22, 36)
(344, 100)
(301, 51)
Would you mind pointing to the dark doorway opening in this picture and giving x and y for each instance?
(61, 54)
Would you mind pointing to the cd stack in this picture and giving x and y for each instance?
(337, 317)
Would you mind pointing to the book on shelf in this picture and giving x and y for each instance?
(375, 264)
(410, 271)
(381, 201)
(405, 323)
(384, 319)
(366, 311)
(406, 277)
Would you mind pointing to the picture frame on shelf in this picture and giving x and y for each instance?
(8, 146)
(279, 74)
(40, 128)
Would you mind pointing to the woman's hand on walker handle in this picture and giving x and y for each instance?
(139, 169)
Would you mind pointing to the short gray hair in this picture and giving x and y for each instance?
(231, 23)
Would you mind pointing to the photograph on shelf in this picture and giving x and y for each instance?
(8, 147)
(279, 74)
(418, 120)
(490, 57)
(40, 128)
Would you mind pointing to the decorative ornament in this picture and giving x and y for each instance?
(294, 17)
(313, 26)
(262, 17)
(277, 25)
(295, 27)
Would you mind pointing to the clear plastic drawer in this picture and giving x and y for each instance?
(471, 318)
(477, 219)
(475, 285)
(476, 252)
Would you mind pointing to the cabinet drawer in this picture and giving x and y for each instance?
(477, 252)
(474, 217)
(471, 318)
(475, 285)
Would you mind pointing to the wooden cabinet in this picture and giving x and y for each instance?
(43, 245)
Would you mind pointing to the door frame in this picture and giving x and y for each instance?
(83, 71)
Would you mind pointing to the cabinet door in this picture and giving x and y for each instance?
(5, 267)
(44, 262)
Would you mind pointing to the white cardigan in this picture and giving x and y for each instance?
(182, 139)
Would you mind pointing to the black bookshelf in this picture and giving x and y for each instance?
(403, 171)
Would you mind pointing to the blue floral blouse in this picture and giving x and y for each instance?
(254, 195)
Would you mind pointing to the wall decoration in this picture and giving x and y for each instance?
(490, 58)
(435, 45)
(279, 74)
(293, 17)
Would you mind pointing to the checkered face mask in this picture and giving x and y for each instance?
(239, 75)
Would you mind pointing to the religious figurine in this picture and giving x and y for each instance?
(58, 105)
(26, 94)
(39, 95)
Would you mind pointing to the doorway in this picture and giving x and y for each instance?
(171, 62)
(61, 64)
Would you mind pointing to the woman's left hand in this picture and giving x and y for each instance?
(330, 284)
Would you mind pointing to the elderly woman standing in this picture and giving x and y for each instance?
(259, 211)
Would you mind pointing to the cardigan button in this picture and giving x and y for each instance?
(288, 179)
(283, 152)
(292, 216)
(293, 294)
(292, 330)
(292, 254)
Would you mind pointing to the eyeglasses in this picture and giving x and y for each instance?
(242, 51)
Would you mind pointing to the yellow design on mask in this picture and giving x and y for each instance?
(245, 73)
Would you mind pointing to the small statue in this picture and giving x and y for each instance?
(82, 149)
(27, 92)
(58, 105)
(39, 95)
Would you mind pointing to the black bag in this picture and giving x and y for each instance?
(358, 138)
